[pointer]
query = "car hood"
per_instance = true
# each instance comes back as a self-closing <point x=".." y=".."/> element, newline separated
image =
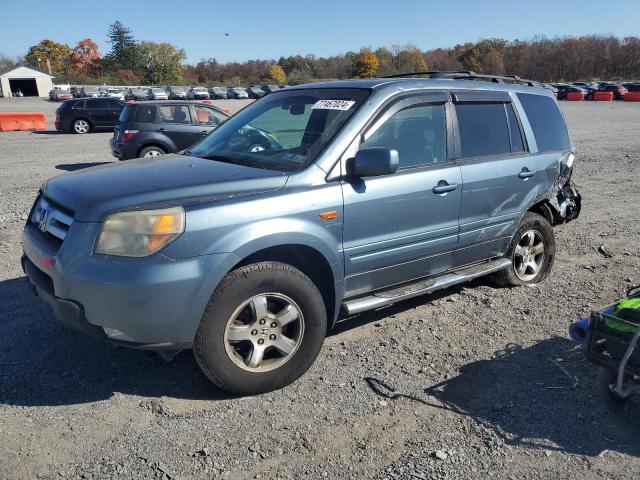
<point x="156" y="182"/>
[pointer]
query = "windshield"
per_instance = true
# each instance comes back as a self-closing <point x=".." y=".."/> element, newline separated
<point x="90" y="89"/>
<point x="284" y="131"/>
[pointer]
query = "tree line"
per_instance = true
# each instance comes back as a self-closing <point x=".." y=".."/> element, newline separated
<point x="134" y="62"/>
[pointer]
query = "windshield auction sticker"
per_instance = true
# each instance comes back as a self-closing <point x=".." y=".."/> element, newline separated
<point x="333" y="105"/>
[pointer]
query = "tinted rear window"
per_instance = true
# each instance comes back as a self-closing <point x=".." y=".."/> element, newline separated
<point x="546" y="122"/>
<point x="114" y="104"/>
<point x="97" y="105"/>
<point x="145" y="114"/>
<point x="483" y="129"/>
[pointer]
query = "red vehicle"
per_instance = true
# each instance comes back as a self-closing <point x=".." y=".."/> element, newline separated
<point x="618" y="90"/>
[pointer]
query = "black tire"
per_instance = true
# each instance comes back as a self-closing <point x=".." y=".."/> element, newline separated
<point x="150" y="149"/>
<point x="530" y="222"/>
<point x="238" y="287"/>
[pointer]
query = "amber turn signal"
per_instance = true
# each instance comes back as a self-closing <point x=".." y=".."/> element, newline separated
<point x="328" y="215"/>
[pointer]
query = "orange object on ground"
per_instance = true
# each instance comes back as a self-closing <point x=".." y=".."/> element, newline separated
<point x="603" y="96"/>
<point x="575" y="96"/>
<point x="12" y="121"/>
<point x="632" y="97"/>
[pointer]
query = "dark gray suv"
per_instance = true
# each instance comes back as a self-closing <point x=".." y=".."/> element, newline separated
<point x="313" y="202"/>
<point x="148" y="129"/>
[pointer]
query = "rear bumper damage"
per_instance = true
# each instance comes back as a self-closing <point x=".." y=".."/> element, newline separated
<point x="567" y="204"/>
<point x="564" y="200"/>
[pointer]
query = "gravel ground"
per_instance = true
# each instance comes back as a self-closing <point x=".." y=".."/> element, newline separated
<point x="473" y="382"/>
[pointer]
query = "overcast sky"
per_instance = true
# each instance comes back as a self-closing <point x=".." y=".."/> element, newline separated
<point x="270" y="29"/>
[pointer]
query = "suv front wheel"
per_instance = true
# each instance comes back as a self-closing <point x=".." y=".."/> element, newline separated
<point x="262" y="329"/>
<point x="531" y="251"/>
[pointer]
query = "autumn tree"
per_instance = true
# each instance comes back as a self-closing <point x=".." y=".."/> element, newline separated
<point x="57" y="55"/>
<point x="276" y="73"/>
<point x="365" y="64"/>
<point x="85" y="56"/>
<point x="296" y="62"/>
<point x="127" y="77"/>
<point x="408" y="59"/>
<point x="161" y="62"/>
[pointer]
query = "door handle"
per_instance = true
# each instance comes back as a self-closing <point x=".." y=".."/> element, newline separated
<point x="161" y="130"/>
<point x="443" y="187"/>
<point x="203" y="133"/>
<point x="526" y="173"/>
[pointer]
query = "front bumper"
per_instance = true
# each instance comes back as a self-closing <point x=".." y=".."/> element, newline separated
<point x="152" y="303"/>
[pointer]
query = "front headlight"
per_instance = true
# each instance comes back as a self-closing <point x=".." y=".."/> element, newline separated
<point x="138" y="234"/>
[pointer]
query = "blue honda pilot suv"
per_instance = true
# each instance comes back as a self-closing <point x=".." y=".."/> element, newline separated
<point x="316" y="201"/>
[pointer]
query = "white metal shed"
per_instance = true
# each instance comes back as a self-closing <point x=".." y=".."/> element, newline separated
<point x="31" y="82"/>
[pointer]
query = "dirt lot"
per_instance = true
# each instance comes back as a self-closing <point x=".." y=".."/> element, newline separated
<point x="475" y="382"/>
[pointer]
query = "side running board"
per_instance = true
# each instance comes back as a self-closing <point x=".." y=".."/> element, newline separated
<point x="389" y="297"/>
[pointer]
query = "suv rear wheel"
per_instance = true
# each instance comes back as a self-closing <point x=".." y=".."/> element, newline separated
<point x="262" y="329"/>
<point x="81" y="126"/>
<point x="151" y="151"/>
<point x="532" y="251"/>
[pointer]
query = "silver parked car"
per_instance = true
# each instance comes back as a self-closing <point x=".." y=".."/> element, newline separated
<point x="177" y="93"/>
<point x="198" y="93"/>
<point x="237" y="92"/>
<point x="157" y="94"/>
<point x="114" y="93"/>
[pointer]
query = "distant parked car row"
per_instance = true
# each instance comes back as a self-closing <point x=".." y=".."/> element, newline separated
<point x="589" y="89"/>
<point x="199" y="93"/>
<point x="60" y="95"/>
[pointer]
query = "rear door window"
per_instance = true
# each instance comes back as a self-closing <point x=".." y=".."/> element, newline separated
<point x="79" y="105"/>
<point x="114" y="105"/>
<point x="546" y="122"/>
<point x="175" y="114"/>
<point x="145" y="114"/>
<point x="98" y="105"/>
<point x="483" y="129"/>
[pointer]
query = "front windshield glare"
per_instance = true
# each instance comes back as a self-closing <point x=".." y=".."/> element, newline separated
<point x="286" y="130"/>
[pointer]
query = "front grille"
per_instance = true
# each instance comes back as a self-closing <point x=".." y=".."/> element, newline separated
<point x="50" y="221"/>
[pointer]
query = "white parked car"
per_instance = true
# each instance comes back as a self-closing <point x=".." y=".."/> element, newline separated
<point x="115" y="93"/>
<point x="157" y="94"/>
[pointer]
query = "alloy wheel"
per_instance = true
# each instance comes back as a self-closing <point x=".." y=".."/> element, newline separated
<point x="529" y="255"/>
<point x="264" y="332"/>
<point x="81" y="126"/>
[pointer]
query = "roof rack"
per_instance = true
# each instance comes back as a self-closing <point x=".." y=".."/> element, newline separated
<point x="467" y="75"/>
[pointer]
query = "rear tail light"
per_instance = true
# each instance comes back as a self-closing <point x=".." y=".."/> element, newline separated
<point x="128" y="135"/>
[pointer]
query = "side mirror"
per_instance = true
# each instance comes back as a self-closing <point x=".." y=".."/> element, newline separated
<point x="373" y="162"/>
